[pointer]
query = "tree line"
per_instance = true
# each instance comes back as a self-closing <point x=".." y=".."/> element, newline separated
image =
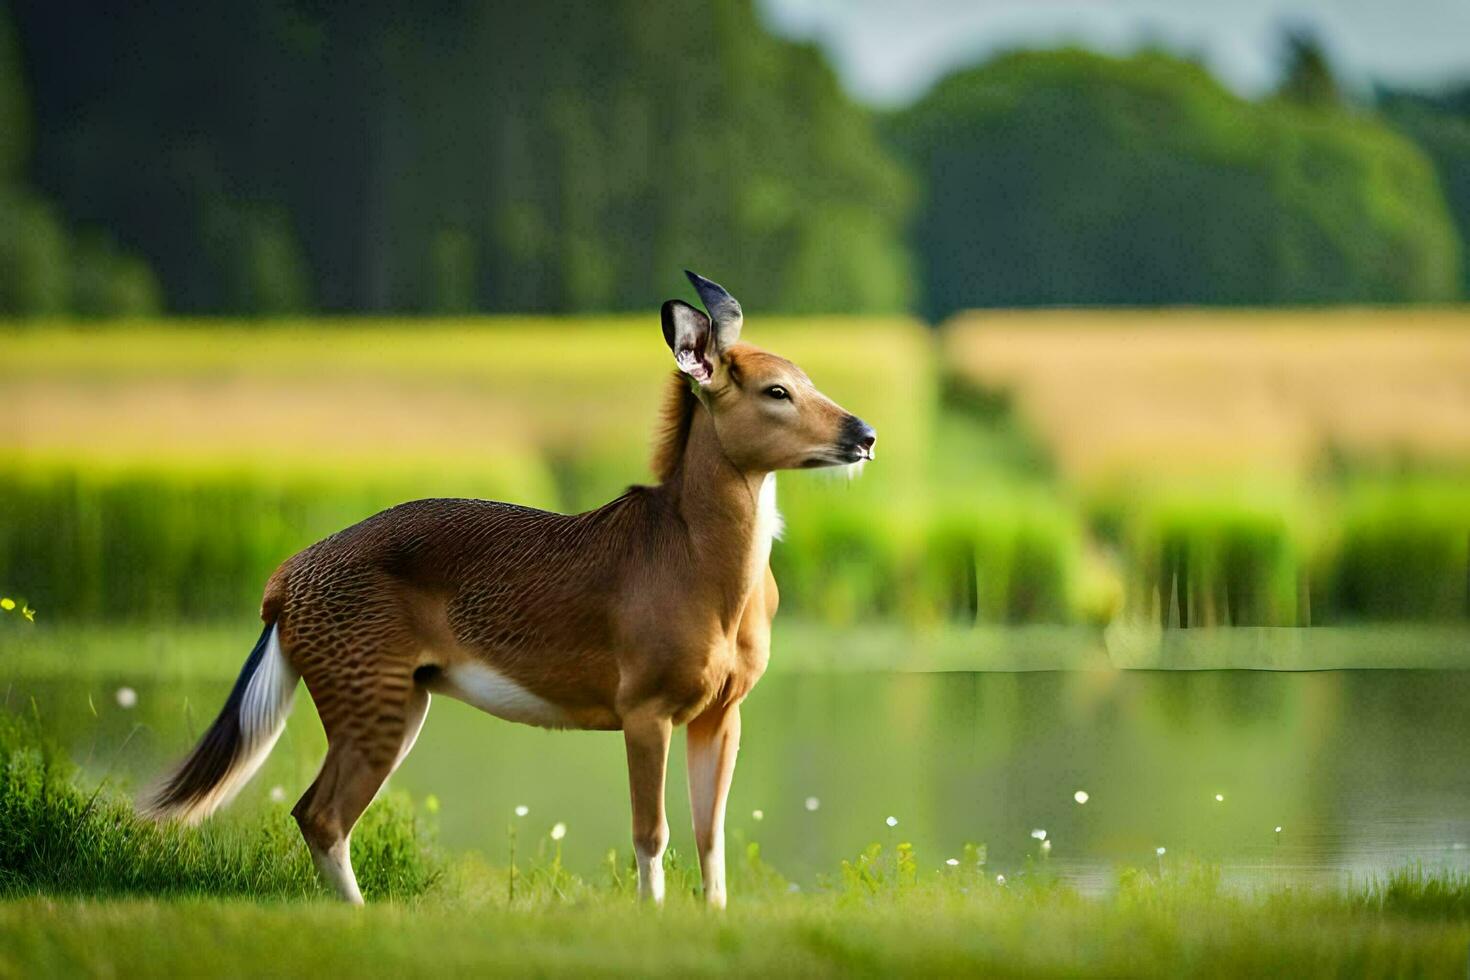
<point x="297" y="156"/>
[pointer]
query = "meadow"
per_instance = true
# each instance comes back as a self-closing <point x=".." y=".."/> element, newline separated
<point x="1057" y="495"/>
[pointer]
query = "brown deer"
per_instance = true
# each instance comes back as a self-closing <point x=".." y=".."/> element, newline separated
<point x="651" y="611"/>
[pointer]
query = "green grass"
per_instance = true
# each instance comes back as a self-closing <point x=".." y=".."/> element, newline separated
<point x="60" y="837"/>
<point x="1150" y="929"/>
<point x="1180" y="924"/>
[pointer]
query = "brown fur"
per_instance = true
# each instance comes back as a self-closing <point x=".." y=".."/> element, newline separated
<point x="675" y="417"/>
<point x="651" y="611"/>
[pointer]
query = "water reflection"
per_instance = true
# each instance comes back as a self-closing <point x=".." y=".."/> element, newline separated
<point x="1362" y="770"/>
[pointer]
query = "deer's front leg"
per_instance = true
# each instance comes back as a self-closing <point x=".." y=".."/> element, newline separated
<point x="714" y="741"/>
<point x="646" y="737"/>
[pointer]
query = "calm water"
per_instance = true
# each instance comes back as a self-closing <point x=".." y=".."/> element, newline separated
<point x="1362" y="770"/>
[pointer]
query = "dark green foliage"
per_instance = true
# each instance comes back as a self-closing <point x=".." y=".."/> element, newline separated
<point x="1440" y="124"/>
<point x="1202" y="564"/>
<point x="1402" y="553"/>
<point x="59" y="837"/>
<point x="453" y="264"/>
<point x="563" y="156"/>
<point x="839" y="565"/>
<point x="1071" y="178"/>
<point x="1307" y="74"/>
<point x="997" y="563"/>
<point x="549" y="156"/>
<point x="42" y="271"/>
<point x="46" y="272"/>
<point x="1398" y="552"/>
<point x="257" y="263"/>
<point x="15" y="117"/>
<point x="107" y="282"/>
<point x="33" y="256"/>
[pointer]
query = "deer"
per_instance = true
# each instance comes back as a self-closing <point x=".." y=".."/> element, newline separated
<point x="650" y="612"/>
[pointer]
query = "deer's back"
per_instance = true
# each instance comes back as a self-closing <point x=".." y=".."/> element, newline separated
<point x="502" y="581"/>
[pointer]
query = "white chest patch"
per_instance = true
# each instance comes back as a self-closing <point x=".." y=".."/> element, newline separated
<point x="491" y="691"/>
<point x="768" y="524"/>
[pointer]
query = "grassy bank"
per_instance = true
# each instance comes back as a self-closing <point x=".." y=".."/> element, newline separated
<point x="60" y="837"/>
<point x="88" y="889"/>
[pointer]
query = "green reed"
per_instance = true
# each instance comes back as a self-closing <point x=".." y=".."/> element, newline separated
<point x="149" y="544"/>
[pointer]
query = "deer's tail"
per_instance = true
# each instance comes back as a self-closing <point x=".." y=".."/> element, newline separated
<point x="236" y="744"/>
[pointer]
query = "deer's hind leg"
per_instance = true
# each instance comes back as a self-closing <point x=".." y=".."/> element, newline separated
<point x="372" y="715"/>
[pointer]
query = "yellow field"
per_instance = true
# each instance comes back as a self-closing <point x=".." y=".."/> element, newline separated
<point x="409" y="393"/>
<point x="1191" y="391"/>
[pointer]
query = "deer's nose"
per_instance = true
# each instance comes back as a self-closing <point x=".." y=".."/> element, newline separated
<point x="860" y="435"/>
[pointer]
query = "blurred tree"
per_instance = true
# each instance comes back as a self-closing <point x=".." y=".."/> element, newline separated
<point x="1072" y="178"/>
<point x="108" y="282"/>
<point x="453" y="272"/>
<point x="1306" y="76"/>
<point x="33" y="257"/>
<point x="256" y="261"/>
<point x="580" y="154"/>
<point x="1440" y="124"/>
<point x="15" y="122"/>
<point x="32" y="243"/>
<point x="42" y="272"/>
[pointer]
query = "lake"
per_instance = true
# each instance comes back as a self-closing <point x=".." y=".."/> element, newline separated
<point x="1362" y="770"/>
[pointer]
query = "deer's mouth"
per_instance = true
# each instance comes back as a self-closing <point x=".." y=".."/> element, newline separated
<point x="840" y="456"/>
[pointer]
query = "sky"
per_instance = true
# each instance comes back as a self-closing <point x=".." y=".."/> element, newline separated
<point x="888" y="52"/>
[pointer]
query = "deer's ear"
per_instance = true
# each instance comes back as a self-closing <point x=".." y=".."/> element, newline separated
<point x="687" y="332"/>
<point x="724" y="309"/>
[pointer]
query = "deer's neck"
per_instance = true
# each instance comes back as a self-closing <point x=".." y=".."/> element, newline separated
<point x="730" y="516"/>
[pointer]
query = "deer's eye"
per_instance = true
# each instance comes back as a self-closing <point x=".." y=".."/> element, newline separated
<point x="777" y="392"/>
